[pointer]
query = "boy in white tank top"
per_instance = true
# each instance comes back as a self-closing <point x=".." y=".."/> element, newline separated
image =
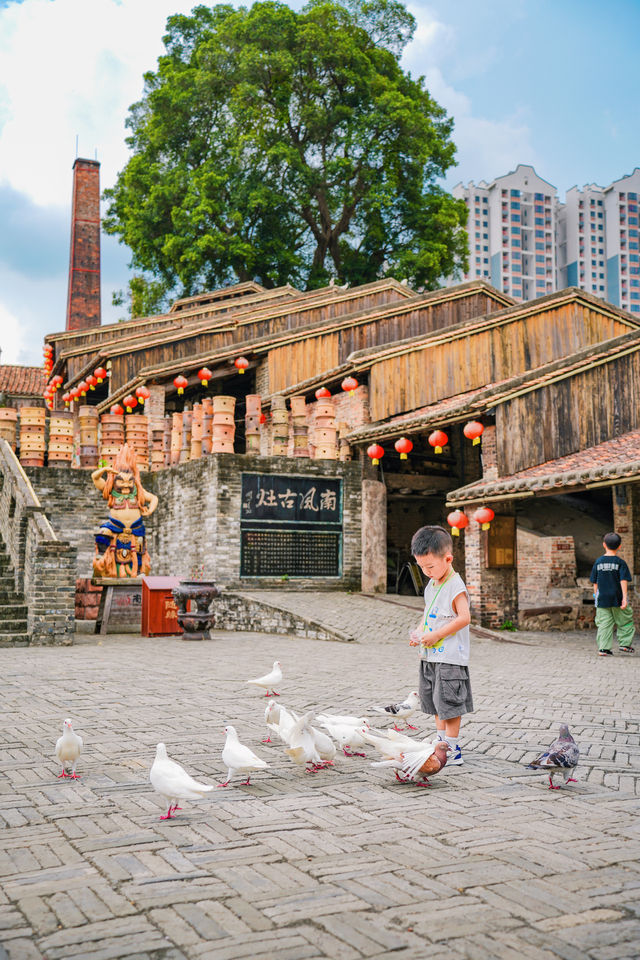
<point x="443" y="637"/>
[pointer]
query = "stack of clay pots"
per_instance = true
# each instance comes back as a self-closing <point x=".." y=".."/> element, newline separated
<point x="8" y="425"/>
<point x="207" y="424"/>
<point x="32" y="436"/>
<point x="111" y="436"/>
<point x="185" y="448"/>
<point x="176" y="438"/>
<point x="137" y="436"/>
<point x="325" y="432"/>
<point x="224" y="427"/>
<point x="252" y="423"/>
<point x="156" y="429"/>
<point x="89" y="419"/>
<point x="196" y="431"/>
<point x="300" y="428"/>
<point x="60" y="439"/>
<point x="279" y="427"/>
<point x="344" y="453"/>
<point x="166" y="441"/>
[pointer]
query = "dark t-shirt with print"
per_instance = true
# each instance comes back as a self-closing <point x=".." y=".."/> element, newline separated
<point x="607" y="572"/>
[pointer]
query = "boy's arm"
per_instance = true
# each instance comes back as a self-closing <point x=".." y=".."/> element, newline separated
<point x="460" y="605"/>
<point x="624" y="585"/>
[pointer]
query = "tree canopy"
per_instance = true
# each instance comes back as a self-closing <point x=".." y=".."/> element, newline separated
<point x="288" y="146"/>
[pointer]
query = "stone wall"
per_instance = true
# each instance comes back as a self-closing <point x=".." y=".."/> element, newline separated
<point x="546" y="569"/>
<point x="44" y="564"/>
<point x="493" y="592"/>
<point x="197" y="523"/>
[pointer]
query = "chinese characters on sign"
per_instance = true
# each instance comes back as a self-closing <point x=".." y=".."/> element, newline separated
<point x="291" y="526"/>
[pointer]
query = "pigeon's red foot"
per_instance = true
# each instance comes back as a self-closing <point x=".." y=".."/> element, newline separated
<point x="63" y="774"/>
<point x="74" y="776"/>
<point x="274" y="694"/>
<point x="422" y="783"/>
<point x="311" y="769"/>
<point x="176" y="807"/>
<point x="572" y="780"/>
<point x="396" y="727"/>
<point x="346" y="752"/>
<point x="246" y="783"/>
<point x="401" y="779"/>
<point x="168" y="815"/>
<point x="410" y="726"/>
<point x="551" y="786"/>
<point x="268" y="740"/>
<point x="355" y="754"/>
<point x="225" y="784"/>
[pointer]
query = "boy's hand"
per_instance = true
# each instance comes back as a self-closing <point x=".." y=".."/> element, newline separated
<point x="623" y="603"/>
<point x="430" y="640"/>
<point x="415" y="637"/>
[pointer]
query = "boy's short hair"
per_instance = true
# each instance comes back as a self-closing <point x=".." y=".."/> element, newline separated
<point x="612" y="540"/>
<point x="435" y="540"/>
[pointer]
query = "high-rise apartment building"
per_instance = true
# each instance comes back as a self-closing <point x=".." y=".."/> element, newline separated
<point x="622" y="242"/>
<point x="512" y="232"/>
<point x="526" y="243"/>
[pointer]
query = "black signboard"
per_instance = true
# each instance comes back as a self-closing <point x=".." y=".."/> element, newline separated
<point x="291" y="499"/>
<point x="290" y="526"/>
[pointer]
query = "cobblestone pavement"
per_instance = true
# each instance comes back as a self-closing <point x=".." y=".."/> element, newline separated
<point x="343" y="864"/>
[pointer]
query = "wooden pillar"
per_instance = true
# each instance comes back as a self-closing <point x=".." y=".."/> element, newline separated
<point x="374" y="537"/>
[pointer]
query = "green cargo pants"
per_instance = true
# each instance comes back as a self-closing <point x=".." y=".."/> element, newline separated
<point x="609" y="617"/>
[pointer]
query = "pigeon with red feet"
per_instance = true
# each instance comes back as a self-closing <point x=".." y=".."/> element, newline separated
<point x="238" y="758"/>
<point x="270" y="680"/>
<point x="173" y="782"/>
<point x="560" y="757"/>
<point x="68" y="749"/>
<point x="401" y="711"/>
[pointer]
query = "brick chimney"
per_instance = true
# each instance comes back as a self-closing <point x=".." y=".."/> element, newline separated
<point x="83" y="299"/>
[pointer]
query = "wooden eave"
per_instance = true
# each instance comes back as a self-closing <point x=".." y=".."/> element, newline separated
<point x="236" y="290"/>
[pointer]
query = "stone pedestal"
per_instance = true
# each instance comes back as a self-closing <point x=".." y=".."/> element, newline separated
<point x="374" y="537"/>
<point x="120" y="605"/>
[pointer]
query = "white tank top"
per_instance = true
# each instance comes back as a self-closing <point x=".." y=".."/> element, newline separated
<point x="438" y="611"/>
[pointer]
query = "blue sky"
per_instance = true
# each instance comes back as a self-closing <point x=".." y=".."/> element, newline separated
<point x="547" y="83"/>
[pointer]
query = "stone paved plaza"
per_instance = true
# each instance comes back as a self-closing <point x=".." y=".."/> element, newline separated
<point x="343" y="864"/>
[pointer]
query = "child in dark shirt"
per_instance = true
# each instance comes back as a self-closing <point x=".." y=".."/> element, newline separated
<point x="610" y="576"/>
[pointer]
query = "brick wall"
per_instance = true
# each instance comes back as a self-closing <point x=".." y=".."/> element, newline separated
<point x="493" y="593"/>
<point x="626" y="522"/>
<point x="83" y="299"/>
<point x="546" y="569"/>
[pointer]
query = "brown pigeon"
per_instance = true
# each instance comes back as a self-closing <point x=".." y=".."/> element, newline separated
<point x="560" y="757"/>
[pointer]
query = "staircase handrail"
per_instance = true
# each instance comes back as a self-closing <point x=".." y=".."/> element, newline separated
<point x="21" y="486"/>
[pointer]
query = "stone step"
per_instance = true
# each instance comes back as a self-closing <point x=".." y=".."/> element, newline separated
<point x="14" y="639"/>
<point x="13" y="626"/>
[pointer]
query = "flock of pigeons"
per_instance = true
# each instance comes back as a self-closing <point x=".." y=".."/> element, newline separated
<point x="312" y="748"/>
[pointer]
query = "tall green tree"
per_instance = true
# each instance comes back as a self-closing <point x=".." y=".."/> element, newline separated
<point x="288" y="146"/>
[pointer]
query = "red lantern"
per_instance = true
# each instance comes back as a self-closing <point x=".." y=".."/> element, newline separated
<point x="204" y="376"/>
<point x="74" y="394"/>
<point x="92" y="382"/>
<point x="438" y="439"/>
<point x="47" y="350"/>
<point x="67" y="399"/>
<point x="263" y="418"/>
<point x="130" y="402"/>
<point x="116" y="410"/>
<point x="349" y="385"/>
<point x="142" y="393"/>
<point x="57" y="381"/>
<point x="322" y="393"/>
<point x="473" y="431"/>
<point x="180" y="383"/>
<point x="100" y="374"/>
<point x="484" y="516"/>
<point x="376" y="452"/>
<point x="83" y="386"/>
<point x="403" y="446"/>
<point x="457" y="521"/>
<point x="241" y="364"/>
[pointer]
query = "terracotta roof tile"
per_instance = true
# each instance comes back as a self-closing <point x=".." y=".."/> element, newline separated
<point x="608" y="461"/>
<point x="22" y="381"/>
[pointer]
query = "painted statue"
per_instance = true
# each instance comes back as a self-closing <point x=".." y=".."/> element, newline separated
<point x="121" y="549"/>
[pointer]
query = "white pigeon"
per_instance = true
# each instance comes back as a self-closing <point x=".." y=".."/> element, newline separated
<point x="325" y="747"/>
<point x="239" y="759"/>
<point x="301" y="744"/>
<point x="347" y="737"/>
<point x="173" y="782"/>
<point x="279" y="720"/>
<point x="344" y="721"/>
<point x="402" y="710"/>
<point x="68" y="749"/>
<point x="270" y="680"/>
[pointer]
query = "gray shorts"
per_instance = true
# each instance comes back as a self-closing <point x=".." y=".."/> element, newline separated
<point x="445" y="689"/>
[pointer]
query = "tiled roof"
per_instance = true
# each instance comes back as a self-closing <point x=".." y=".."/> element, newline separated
<point x="22" y="381"/>
<point x="612" y="460"/>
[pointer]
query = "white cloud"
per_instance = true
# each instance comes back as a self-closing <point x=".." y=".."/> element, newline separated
<point x="12" y="343"/>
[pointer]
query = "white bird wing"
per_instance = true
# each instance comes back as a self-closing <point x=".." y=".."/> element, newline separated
<point x="236" y="756"/>
<point x="68" y="747"/>
<point x="414" y="759"/>
<point x="333" y="719"/>
<point x="388" y="748"/>
<point x="173" y="781"/>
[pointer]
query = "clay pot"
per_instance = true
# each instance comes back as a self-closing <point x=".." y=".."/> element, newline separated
<point x="326" y="452"/>
<point x="86" y="412"/>
<point x="325" y="436"/>
<point x="253" y="404"/>
<point x="222" y="446"/>
<point x="223" y="417"/>
<point x="253" y="443"/>
<point x="298" y="406"/>
<point x="224" y="404"/>
<point x="223" y="432"/>
<point x="325" y="408"/>
<point x="8" y="413"/>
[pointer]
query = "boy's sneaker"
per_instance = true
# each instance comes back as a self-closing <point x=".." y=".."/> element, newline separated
<point x="627" y="650"/>
<point x="605" y="653"/>
<point x="455" y="759"/>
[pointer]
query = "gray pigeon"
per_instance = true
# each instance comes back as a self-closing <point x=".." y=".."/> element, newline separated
<point x="560" y="757"/>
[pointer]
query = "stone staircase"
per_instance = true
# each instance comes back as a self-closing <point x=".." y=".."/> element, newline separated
<point x="13" y="610"/>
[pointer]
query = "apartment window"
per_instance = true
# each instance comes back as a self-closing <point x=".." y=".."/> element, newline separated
<point x="515" y="230"/>
<point x="485" y="224"/>
<point x="539" y="233"/>
<point x="538" y="196"/>
<point x="539" y="246"/>
<point x="599" y="203"/>
<point x="539" y="259"/>
<point x="515" y="193"/>
<point x="515" y="205"/>
<point x="592" y="203"/>
<point x="633" y="221"/>
<point x="515" y="218"/>
<point x="539" y="221"/>
<point x="540" y="270"/>
<point x="632" y="196"/>
<point x="600" y="216"/>
<point x="485" y="200"/>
